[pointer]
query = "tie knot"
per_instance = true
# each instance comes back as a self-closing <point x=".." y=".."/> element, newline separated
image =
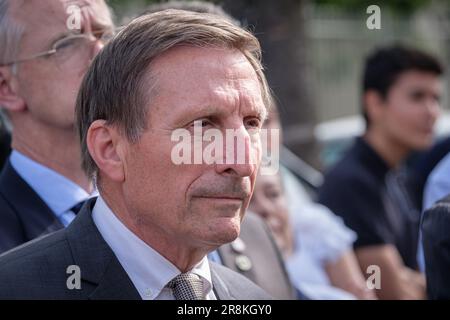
<point x="187" y="286"/>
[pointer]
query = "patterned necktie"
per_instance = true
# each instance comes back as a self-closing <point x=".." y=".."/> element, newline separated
<point x="187" y="286"/>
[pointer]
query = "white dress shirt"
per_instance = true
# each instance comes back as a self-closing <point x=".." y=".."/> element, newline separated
<point x="59" y="193"/>
<point x="148" y="270"/>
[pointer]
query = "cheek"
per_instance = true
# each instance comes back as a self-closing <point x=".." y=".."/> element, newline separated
<point x="280" y="204"/>
<point x="281" y="209"/>
<point x="69" y="83"/>
<point x="41" y="94"/>
<point x="155" y="176"/>
<point x="406" y="111"/>
<point x="400" y="116"/>
<point x="409" y="120"/>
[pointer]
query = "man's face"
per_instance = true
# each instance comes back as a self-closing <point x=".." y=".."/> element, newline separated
<point x="49" y="85"/>
<point x="199" y="205"/>
<point x="411" y="109"/>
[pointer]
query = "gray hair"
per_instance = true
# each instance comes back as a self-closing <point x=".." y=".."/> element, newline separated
<point x="10" y="34"/>
<point x="112" y="87"/>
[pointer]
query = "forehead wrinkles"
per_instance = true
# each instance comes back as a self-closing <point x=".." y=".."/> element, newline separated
<point x="230" y="78"/>
<point x="244" y="80"/>
<point x="238" y="92"/>
<point x="233" y="79"/>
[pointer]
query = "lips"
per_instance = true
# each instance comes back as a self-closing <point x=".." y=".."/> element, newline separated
<point x="222" y="197"/>
<point x="224" y="189"/>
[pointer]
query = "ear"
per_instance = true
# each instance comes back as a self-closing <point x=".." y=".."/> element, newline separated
<point x="106" y="147"/>
<point x="374" y="106"/>
<point x="8" y="91"/>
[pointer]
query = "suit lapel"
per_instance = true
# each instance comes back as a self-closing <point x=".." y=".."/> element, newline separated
<point x="97" y="262"/>
<point x="115" y="284"/>
<point x="220" y="289"/>
<point x="36" y="217"/>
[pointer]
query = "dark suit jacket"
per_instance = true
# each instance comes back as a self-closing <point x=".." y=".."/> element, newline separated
<point x="37" y="270"/>
<point x="436" y="247"/>
<point x="266" y="266"/>
<point x="5" y="142"/>
<point x="23" y="214"/>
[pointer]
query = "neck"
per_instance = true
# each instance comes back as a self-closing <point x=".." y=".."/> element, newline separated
<point x="392" y="152"/>
<point x="176" y="250"/>
<point x="59" y="151"/>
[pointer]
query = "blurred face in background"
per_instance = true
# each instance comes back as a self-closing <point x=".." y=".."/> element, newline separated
<point x="409" y="111"/>
<point x="269" y="202"/>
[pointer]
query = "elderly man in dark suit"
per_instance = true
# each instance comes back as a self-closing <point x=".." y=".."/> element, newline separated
<point x="45" y="49"/>
<point x="168" y="74"/>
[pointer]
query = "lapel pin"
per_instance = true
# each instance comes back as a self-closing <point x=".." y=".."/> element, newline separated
<point x="238" y="245"/>
<point x="243" y="262"/>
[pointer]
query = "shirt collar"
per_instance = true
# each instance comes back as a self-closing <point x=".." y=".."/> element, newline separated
<point x="148" y="270"/>
<point x="58" y="192"/>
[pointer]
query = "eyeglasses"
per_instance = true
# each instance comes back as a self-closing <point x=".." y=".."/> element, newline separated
<point x="76" y="47"/>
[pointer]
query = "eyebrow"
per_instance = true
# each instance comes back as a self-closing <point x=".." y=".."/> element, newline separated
<point x="207" y="111"/>
<point x="96" y="27"/>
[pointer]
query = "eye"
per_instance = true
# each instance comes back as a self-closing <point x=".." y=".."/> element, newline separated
<point x="203" y="123"/>
<point x="253" y="122"/>
<point x="417" y="96"/>
<point x="67" y="43"/>
<point x="273" y="194"/>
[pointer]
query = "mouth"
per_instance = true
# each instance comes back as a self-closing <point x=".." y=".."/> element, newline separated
<point x="221" y="198"/>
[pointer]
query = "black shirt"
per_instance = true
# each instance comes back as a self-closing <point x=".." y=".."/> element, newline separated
<point x="362" y="190"/>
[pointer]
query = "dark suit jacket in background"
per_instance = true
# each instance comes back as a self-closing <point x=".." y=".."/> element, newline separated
<point x="37" y="270"/>
<point x="23" y="214"/>
<point x="436" y="247"/>
<point x="5" y="144"/>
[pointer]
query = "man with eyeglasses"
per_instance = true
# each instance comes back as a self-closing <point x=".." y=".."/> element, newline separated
<point x="43" y="58"/>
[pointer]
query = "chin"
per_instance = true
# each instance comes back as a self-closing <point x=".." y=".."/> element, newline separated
<point x="224" y="231"/>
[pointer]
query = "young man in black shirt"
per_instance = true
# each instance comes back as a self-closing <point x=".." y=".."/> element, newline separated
<point x="401" y="92"/>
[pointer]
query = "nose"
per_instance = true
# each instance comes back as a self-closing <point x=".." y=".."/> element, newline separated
<point x="433" y="108"/>
<point x="240" y="155"/>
